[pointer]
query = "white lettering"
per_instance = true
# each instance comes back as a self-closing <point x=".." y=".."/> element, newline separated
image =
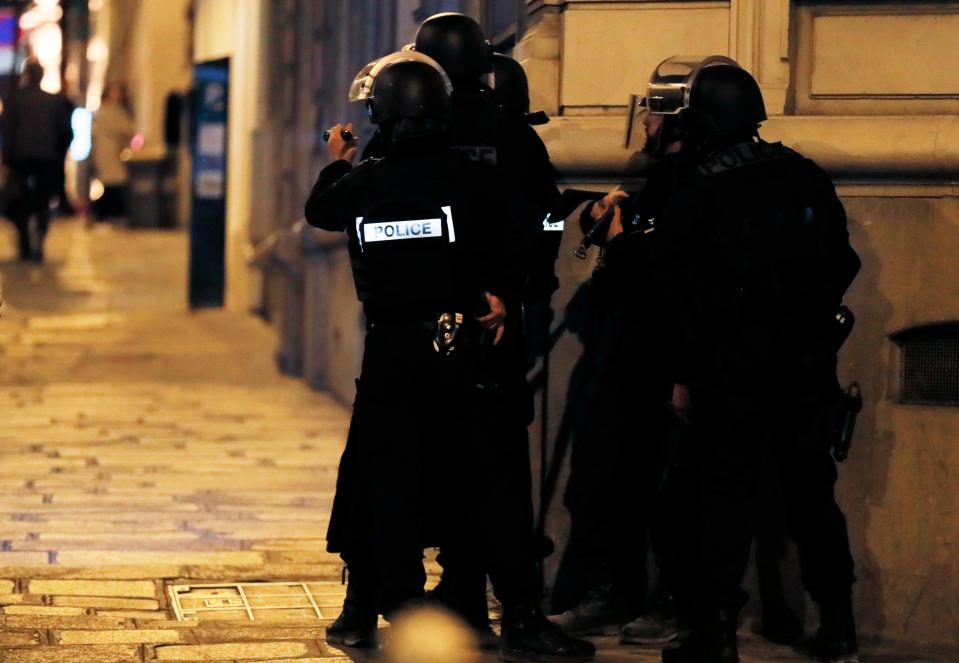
<point x="385" y="231"/>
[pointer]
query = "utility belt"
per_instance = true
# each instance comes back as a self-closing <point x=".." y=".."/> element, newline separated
<point x="449" y="329"/>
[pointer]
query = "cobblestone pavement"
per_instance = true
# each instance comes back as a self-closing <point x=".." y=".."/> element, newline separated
<point x="142" y="446"/>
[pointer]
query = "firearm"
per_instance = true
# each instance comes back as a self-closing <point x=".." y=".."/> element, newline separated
<point x="597" y="232"/>
<point x="846" y="410"/>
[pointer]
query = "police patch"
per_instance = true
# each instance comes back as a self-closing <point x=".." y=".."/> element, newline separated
<point x="386" y="231"/>
<point x="553" y="226"/>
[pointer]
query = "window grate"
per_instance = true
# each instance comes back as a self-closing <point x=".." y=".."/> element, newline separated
<point x="930" y="365"/>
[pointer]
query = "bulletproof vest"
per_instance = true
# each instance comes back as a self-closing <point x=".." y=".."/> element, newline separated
<point x="403" y="254"/>
<point x="773" y="264"/>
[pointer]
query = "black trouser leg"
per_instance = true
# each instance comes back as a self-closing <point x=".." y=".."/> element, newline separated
<point x="38" y="181"/>
<point x="398" y="503"/>
<point x="497" y="521"/>
<point x="727" y="445"/>
<point x="735" y="434"/>
<point x="25" y="246"/>
<point x="814" y="519"/>
<point x="677" y="523"/>
<point x="20" y="209"/>
<point x="463" y="585"/>
<point x="399" y="415"/>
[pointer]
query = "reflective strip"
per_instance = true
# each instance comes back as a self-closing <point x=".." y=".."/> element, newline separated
<point x="553" y="226"/>
<point x="448" y="211"/>
<point x="386" y="231"/>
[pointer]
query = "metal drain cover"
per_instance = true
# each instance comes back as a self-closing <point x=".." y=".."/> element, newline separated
<point x="257" y="601"/>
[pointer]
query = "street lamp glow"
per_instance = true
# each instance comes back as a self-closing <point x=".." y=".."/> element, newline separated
<point x="97" y="50"/>
<point x="82" y="123"/>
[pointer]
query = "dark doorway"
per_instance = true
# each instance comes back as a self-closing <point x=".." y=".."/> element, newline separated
<point x="208" y="149"/>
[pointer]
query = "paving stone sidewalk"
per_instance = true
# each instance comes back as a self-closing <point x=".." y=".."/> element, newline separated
<point x="143" y="446"/>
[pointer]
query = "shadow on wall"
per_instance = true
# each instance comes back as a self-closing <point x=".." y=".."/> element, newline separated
<point x="562" y="568"/>
<point x="863" y="477"/>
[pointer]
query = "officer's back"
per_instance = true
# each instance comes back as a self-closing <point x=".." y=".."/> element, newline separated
<point x="771" y="248"/>
<point x="761" y="239"/>
<point x="437" y="202"/>
<point x="425" y="235"/>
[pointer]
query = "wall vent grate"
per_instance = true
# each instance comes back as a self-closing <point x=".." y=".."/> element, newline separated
<point x="930" y="365"/>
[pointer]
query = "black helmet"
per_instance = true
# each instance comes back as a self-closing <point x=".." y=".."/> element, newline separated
<point x="702" y="99"/>
<point x="457" y="42"/>
<point x="510" y="83"/>
<point x="725" y="101"/>
<point x="408" y="90"/>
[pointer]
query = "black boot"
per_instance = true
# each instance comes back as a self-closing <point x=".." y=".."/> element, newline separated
<point x="716" y="643"/>
<point x="356" y="625"/>
<point x="529" y="636"/>
<point x="467" y="600"/>
<point x="836" y="641"/>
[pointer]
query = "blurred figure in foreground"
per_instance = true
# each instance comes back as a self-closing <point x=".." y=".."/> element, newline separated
<point x="36" y="134"/>
<point x="113" y="129"/>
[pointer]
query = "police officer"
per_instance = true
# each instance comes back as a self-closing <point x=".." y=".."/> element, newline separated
<point x="426" y="244"/>
<point x="490" y="132"/>
<point x="619" y="459"/>
<point x="759" y="257"/>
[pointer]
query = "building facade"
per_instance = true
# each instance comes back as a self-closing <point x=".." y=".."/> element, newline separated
<point x="869" y="89"/>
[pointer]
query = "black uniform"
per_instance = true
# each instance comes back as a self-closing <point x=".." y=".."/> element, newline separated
<point x="425" y="238"/>
<point x="760" y="260"/>
<point x="489" y="133"/>
<point x="620" y="454"/>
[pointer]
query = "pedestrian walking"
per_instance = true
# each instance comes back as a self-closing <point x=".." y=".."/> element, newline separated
<point x="36" y="134"/>
<point x="113" y="129"/>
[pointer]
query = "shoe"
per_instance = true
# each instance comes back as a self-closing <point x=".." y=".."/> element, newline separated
<point x="356" y="625"/>
<point x="651" y="629"/>
<point x="598" y="611"/>
<point x="352" y="629"/>
<point x="529" y="636"/>
<point x="836" y="641"/>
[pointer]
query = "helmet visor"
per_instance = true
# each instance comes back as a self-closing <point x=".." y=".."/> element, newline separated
<point x="671" y="83"/>
<point x="362" y="84"/>
<point x="666" y="98"/>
